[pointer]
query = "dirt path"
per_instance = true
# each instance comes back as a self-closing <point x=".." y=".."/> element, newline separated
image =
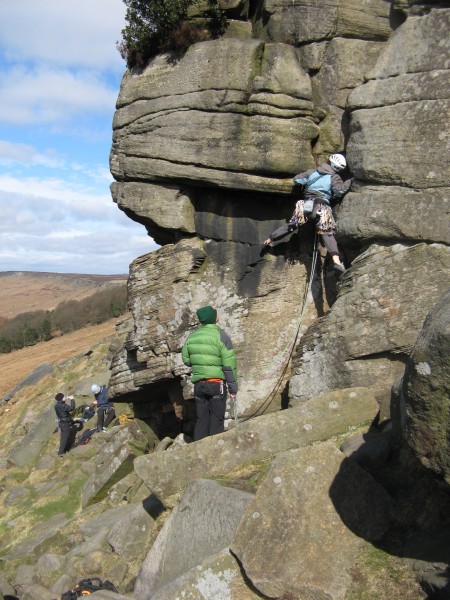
<point x="17" y="365"/>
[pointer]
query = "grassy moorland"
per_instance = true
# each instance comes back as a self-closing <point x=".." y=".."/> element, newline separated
<point x="16" y="365"/>
<point x="22" y="292"/>
<point x="26" y="291"/>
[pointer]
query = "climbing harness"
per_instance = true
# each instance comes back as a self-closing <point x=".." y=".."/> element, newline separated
<point x="290" y="349"/>
<point x="303" y="212"/>
<point x="305" y="206"/>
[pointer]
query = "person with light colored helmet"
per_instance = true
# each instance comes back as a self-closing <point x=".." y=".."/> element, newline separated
<point x="321" y="186"/>
<point x="103" y="405"/>
<point x="338" y="162"/>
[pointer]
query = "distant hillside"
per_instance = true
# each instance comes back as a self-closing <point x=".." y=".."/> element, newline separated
<point x="24" y="291"/>
<point x="15" y="366"/>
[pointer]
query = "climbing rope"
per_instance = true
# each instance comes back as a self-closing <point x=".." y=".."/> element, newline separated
<point x="124" y="419"/>
<point x="289" y="351"/>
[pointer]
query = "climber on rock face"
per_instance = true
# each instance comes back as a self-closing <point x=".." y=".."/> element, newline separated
<point x="321" y="185"/>
<point x="103" y="405"/>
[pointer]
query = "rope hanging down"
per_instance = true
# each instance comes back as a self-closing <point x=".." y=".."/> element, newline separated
<point x="290" y="349"/>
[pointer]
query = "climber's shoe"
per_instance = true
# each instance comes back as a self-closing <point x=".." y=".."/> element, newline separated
<point x="339" y="268"/>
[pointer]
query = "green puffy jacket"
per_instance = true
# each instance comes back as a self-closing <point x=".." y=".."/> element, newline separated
<point x="210" y="353"/>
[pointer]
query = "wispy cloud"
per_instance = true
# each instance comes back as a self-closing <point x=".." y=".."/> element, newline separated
<point x="60" y="61"/>
<point x="23" y="154"/>
<point x="62" y="228"/>
<point x="47" y="96"/>
<point x="79" y="34"/>
<point x="59" y="80"/>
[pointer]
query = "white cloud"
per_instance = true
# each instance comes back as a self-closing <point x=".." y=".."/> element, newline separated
<point x="67" y="236"/>
<point x="66" y="34"/>
<point x="48" y="96"/>
<point x="23" y="156"/>
<point x="59" y="80"/>
<point x="61" y="60"/>
<point x="55" y="189"/>
<point x="11" y="154"/>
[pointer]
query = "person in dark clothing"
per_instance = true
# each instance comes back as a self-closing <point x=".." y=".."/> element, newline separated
<point x="104" y="407"/>
<point x="64" y="415"/>
<point x="210" y="354"/>
<point x="321" y="185"/>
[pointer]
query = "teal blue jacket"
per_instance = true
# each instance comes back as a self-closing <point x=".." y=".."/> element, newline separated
<point x="323" y="182"/>
<point x="210" y="354"/>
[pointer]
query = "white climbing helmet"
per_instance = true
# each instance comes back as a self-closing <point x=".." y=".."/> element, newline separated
<point x="95" y="388"/>
<point x="338" y="162"/>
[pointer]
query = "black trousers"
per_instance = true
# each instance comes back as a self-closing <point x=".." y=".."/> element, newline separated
<point x="67" y="437"/>
<point x="110" y="414"/>
<point x="210" y="403"/>
<point x="328" y="238"/>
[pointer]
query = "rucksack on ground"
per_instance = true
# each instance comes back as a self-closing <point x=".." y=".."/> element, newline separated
<point x="88" y="412"/>
<point x="88" y="586"/>
<point x="85" y="437"/>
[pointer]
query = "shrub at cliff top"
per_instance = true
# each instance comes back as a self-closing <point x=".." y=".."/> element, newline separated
<point x="155" y="26"/>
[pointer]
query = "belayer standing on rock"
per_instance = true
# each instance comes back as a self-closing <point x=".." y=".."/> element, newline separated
<point x="64" y="415"/>
<point x="104" y="406"/>
<point x="321" y="185"/>
<point x="210" y="354"/>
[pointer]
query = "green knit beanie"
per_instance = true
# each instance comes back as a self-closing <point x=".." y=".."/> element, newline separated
<point x="207" y="315"/>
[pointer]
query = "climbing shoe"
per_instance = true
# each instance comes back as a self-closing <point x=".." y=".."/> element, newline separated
<point x="339" y="268"/>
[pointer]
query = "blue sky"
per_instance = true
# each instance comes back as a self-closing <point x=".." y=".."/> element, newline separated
<point x="60" y="75"/>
